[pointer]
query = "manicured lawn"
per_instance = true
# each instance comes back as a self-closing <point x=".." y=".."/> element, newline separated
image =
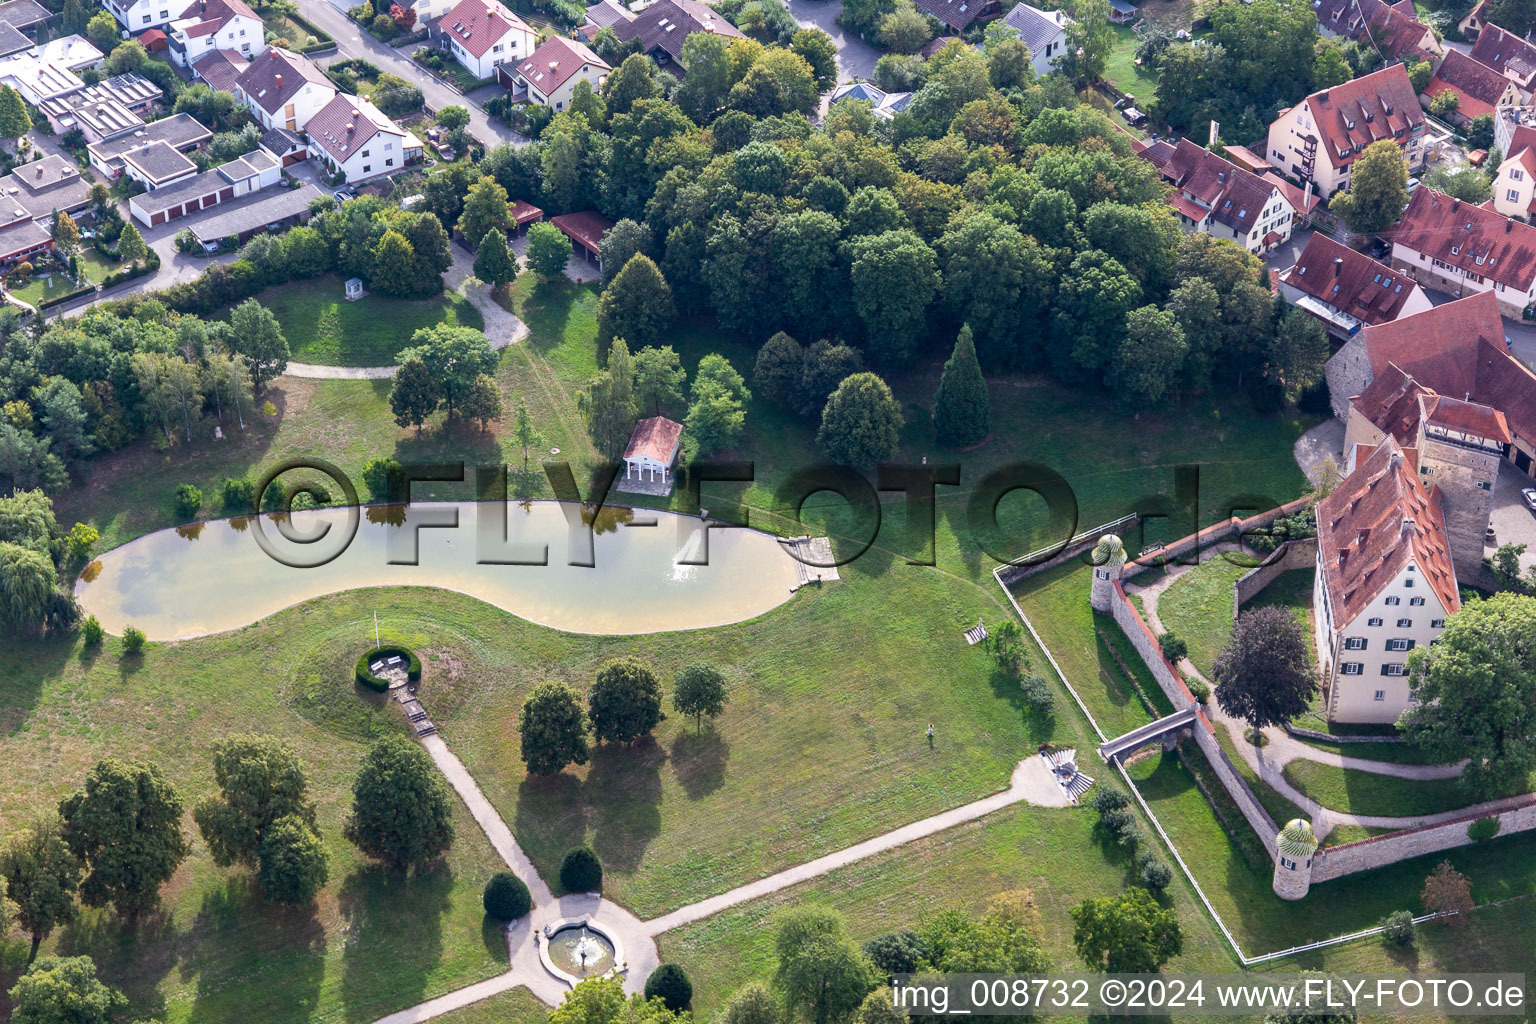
<point x="1198" y="608"/>
<point x="1397" y="753"/>
<point x="323" y="327"/>
<point x="518" y="1006"/>
<point x="822" y="744"/>
<point x="1349" y="789"/>
<point x="1500" y="868"/>
<point x="1120" y="69"/>
<point x="1054" y="854"/>
<point x="1279" y="807"/>
<point x="372" y="944"/>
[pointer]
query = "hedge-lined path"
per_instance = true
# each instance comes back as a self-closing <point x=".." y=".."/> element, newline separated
<point x="1281" y="748"/>
<point x="1030" y="782"/>
<point x="501" y="327"/>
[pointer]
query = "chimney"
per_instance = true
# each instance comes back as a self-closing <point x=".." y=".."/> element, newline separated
<point x="349" y="126"/>
<point x="1455" y="205"/>
<point x="1509" y="224"/>
<point x="1407" y="528"/>
<point x="1396" y="458"/>
<point x="1338" y="265"/>
<point x="554" y="65"/>
<point x="273" y="51"/>
<point x="1322" y="97"/>
<point x="279" y="80"/>
<point x="354" y="114"/>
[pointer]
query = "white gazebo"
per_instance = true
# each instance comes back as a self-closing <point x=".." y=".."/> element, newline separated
<point x="652" y="450"/>
<point x="354" y="289"/>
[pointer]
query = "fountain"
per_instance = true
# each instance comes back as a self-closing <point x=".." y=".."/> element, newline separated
<point x="578" y="950"/>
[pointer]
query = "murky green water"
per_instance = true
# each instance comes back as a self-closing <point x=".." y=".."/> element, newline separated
<point x="214" y="576"/>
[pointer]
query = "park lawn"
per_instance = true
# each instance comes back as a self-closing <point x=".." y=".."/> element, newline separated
<point x="518" y="1006"/>
<point x="1278" y="806"/>
<point x="1056" y="602"/>
<point x="1240" y="890"/>
<point x="822" y="745"/>
<point x="322" y="327"/>
<point x="1197" y="607"/>
<point x="1055" y="854"/>
<point x="1120" y="70"/>
<point x="373" y="943"/>
<point x="1361" y="792"/>
<point x="1395" y="753"/>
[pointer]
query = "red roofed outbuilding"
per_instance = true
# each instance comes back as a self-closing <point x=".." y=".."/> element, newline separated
<point x="652" y="449"/>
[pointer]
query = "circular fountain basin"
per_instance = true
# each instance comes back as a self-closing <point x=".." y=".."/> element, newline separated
<point x="575" y="948"/>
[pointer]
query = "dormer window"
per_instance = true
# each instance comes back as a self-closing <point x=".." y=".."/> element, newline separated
<point x="1455" y="250"/>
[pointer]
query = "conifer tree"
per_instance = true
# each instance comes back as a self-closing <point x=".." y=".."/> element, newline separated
<point x="961" y="410"/>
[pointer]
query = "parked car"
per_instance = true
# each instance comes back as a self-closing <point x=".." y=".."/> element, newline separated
<point x="1529" y="496"/>
<point x="1133" y="117"/>
<point x="211" y="248"/>
<point x="1380" y="247"/>
<point x="343" y="194"/>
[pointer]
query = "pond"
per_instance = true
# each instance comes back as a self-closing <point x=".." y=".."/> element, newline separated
<point x="215" y="576"/>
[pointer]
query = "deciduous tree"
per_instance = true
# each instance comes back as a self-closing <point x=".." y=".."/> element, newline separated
<point x="699" y="690"/>
<point x="1378" y="189"/>
<point x="126" y="826"/>
<point x="549" y="250"/>
<point x="625" y="702"/>
<point x="1265" y="674"/>
<point x="260" y="780"/>
<point x="402" y="809"/>
<point x="861" y="424"/>
<point x="553" y="729"/>
<point x="64" y="990"/>
<point x="1448" y="892"/>
<point x="41" y="875"/>
<point x="822" y="973"/>
<point x="1128" y="933"/>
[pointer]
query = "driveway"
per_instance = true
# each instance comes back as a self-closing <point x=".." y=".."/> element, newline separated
<point x="1511" y="520"/>
<point x="352" y="41"/>
<point x="1284" y="256"/>
<point x="855" y="58"/>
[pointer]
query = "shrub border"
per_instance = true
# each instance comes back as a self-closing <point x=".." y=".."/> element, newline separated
<point x="366" y="677"/>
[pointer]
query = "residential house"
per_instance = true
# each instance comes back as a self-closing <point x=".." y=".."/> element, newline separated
<point x="1472" y="25"/>
<point x="182" y="132"/>
<point x="138" y="15"/>
<point x="662" y="28"/>
<point x="549" y="76"/>
<point x="220" y="69"/>
<point x="1514" y="189"/>
<point x="1460" y="248"/>
<point x="287" y="147"/>
<point x="1478" y="89"/>
<point x="1216" y="197"/>
<point x="1509" y="55"/>
<point x="482" y="34"/>
<point x="1385" y="583"/>
<point x="958" y="15"/>
<point x="208" y="25"/>
<point x="1319" y="139"/>
<point x="106" y="110"/>
<point x="1458" y="349"/>
<point x="24" y="15"/>
<point x="1393" y="30"/>
<point x="76" y="53"/>
<point x="352" y="138"/>
<point x="195" y="192"/>
<point x="1347" y="290"/>
<point x="1044" y="32"/>
<point x="885" y="105"/>
<point x="283" y="89"/>
<point x="29" y="197"/>
<point x="37" y="78"/>
<point x="158" y="165"/>
<point x="607" y="13"/>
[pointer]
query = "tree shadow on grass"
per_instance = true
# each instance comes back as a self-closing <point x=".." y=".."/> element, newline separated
<point x="623" y="789"/>
<point x="131" y="958"/>
<point x="31" y="662"/>
<point x="268" y="960"/>
<point x="494" y="934"/>
<point x="394" y="936"/>
<point x="698" y="762"/>
<point x="551" y="818"/>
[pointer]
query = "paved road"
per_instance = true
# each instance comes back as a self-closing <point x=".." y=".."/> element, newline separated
<point x="354" y="42"/>
<point x="855" y="58"/>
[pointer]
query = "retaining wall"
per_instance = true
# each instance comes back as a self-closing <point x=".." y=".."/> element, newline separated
<point x="1518" y="814"/>
<point x="1142" y="638"/>
<point x="1268" y="832"/>
<point x="1293" y="554"/>
<point x="1083" y="542"/>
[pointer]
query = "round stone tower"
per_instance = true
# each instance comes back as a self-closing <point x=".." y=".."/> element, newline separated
<point x="1293" y="861"/>
<point x="1108" y="563"/>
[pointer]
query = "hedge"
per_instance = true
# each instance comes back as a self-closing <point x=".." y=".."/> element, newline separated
<point x="119" y="276"/>
<point x="323" y="39"/>
<point x="365" y="674"/>
<point x="58" y="299"/>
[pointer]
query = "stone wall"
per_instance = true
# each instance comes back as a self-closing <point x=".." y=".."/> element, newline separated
<point x="1465" y="504"/>
<point x="1517" y="814"/>
<point x="1081" y="544"/>
<point x="1293" y="554"/>
<point x="1348" y="373"/>
<point x="1263" y="825"/>
<point x="1141" y="637"/>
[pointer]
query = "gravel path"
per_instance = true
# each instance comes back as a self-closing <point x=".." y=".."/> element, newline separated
<point x="501" y="327"/>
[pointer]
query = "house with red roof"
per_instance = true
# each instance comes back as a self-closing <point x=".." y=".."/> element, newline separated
<point x="652" y="450"/>
<point x="351" y="137"/>
<point x="549" y="76"/>
<point x="1347" y="290"/>
<point x="1320" y="138"/>
<point x="1514" y="189"/>
<point x="1478" y="88"/>
<point x="283" y="89"/>
<point x="483" y="34"/>
<point x="1509" y="55"/>
<point x="1385" y="583"/>
<point x="208" y="25"/>
<point x="1461" y="248"/>
<point x="1216" y="197"/>
<point x="1394" y="30"/>
<point x="663" y="27"/>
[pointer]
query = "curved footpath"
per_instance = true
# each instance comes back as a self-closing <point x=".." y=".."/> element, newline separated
<point x="1031" y="782"/>
<point x="1281" y="748"/>
<point x="500" y="326"/>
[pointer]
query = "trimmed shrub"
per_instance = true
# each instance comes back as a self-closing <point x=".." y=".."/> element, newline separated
<point x="1128" y="833"/>
<point x="237" y="497"/>
<point x="1115" y="819"/>
<point x="1483" y="829"/>
<point x="1173" y="648"/>
<point x="91" y="631"/>
<point x="581" y="871"/>
<point x="133" y="640"/>
<point x="364" y="671"/>
<point x="1156" y="875"/>
<point x="1037" y="694"/>
<point x="1108" y="798"/>
<point x="1199" y="687"/>
<point x="1397" y="929"/>
<point x="670" y="984"/>
<point x="896" y="953"/>
<point x="506" y="897"/>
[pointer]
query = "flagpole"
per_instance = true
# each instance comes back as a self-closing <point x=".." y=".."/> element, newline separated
<point x="375" y="629"/>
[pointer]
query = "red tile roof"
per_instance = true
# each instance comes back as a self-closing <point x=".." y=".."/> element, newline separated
<point x="1377" y="521"/>
<point x="1472" y="239"/>
<point x="586" y="227"/>
<point x="1350" y="281"/>
<point x="221" y="69"/>
<point x="1248" y="160"/>
<point x="556" y="62"/>
<point x="1297" y="197"/>
<point x="1393" y="29"/>
<point x="524" y="213"/>
<point x="478" y="25"/>
<point x="1506" y="53"/>
<point x="275" y="76"/>
<point x="1351" y="116"/>
<point x="1391" y="403"/>
<point x="1235" y="197"/>
<point x="213" y="14"/>
<point x="667" y="23"/>
<point x="1467" y="417"/>
<point x="346" y="123"/>
<point x="1478" y="87"/>
<point x="654" y="437"/>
